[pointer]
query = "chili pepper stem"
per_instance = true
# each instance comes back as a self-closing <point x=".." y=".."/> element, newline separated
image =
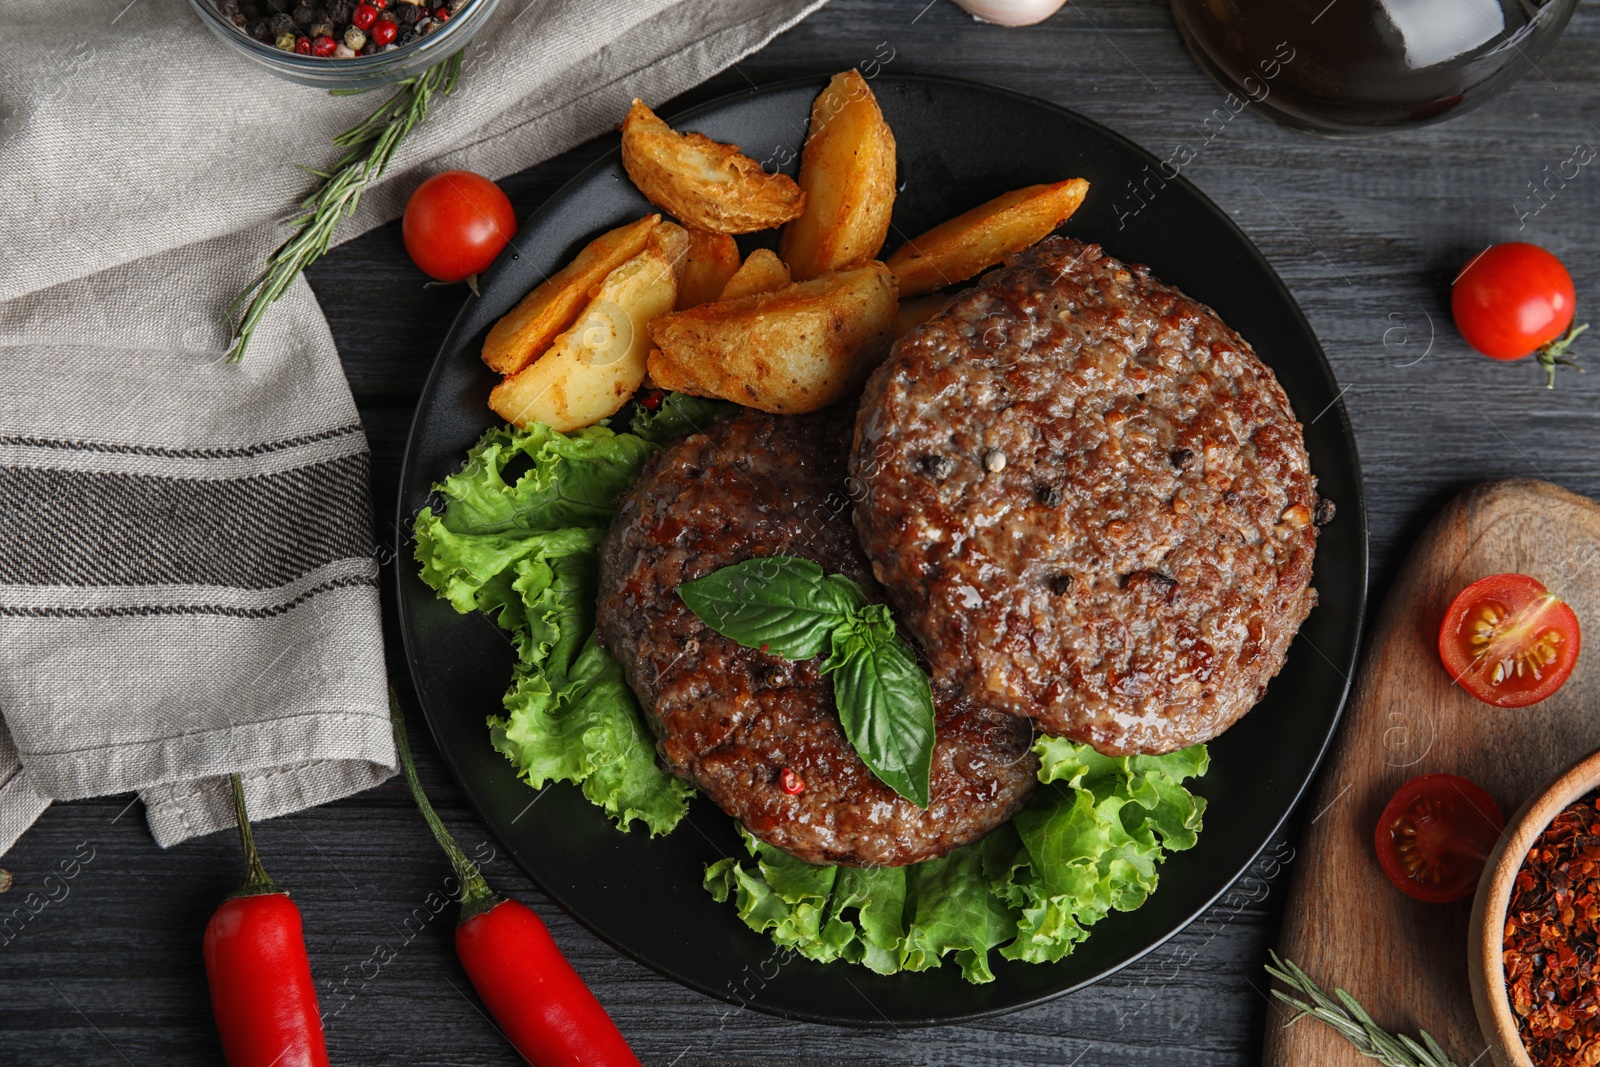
<point x="476" y="896"/>
<point x="256" y="879"/>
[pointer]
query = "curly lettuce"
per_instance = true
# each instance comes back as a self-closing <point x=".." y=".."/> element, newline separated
<point x="517" y="537"/>
<point x="1087" y="844"/>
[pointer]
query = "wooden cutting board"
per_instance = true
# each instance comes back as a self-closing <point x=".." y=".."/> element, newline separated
<point x="1344" y="923"/>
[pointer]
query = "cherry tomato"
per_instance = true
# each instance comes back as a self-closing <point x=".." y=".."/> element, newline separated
<point x="1511" y="299"/>
<point x="1516" y="299"/>
<point x="1509" y="641"/>
<point x="456" y="223"/>
<point x="1435" y="835"/>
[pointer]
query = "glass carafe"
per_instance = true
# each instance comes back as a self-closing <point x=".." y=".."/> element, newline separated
<point x="1344" y="67"/>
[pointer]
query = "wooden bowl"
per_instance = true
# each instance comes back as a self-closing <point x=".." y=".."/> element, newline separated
<point x="1486" y="932"/>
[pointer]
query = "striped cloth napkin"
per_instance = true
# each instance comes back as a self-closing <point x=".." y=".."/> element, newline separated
<point x="187" y="581"/>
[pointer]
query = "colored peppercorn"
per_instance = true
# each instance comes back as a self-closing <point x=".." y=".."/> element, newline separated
<point x="791" y="782"/>
<point x="308" y="22"/>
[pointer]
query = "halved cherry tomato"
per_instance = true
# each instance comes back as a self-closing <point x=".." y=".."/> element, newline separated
<point x="1509" y="641"/>
<point x="1435" y="835"/>
<point x="456" y="223"/>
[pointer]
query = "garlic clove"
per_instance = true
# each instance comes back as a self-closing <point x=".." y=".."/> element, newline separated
<point x="1011" y="12"/>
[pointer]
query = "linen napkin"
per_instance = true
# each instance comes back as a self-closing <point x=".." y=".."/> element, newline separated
<point x="187" y="581"/>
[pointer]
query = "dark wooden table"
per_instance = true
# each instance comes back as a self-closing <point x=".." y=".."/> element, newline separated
<point x="1367" y="234"/>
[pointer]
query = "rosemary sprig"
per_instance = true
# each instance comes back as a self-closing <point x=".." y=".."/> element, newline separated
<point x="371" y="143"/>
<point x="1347" y="1016"/>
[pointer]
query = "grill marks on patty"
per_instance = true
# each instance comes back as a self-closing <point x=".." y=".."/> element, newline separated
<point x="1145" y="455"/>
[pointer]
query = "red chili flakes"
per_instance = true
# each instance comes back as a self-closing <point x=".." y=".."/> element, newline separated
<point x="1552" y="944"/>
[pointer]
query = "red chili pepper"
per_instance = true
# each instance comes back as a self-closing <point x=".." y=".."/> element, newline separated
<point x="791" y="782"/>
<point x="261" y="990"/>
<point x="530" y="989"/>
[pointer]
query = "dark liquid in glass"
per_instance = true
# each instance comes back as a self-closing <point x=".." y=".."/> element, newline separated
<point x="1360" y="66"/>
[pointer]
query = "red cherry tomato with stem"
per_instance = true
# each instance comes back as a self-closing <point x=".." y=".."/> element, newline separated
<point x="1435" y="835"/>
<point x="1509" y="641"/>
<point x="1514" y="300"/>
<point x="456" y="223"/>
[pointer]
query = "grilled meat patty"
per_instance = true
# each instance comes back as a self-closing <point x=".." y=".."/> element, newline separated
<point x="732" y="719"/>
<point x="1090" y="501"/>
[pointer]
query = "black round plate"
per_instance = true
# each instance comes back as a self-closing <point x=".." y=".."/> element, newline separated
<point x="959" y="144"/>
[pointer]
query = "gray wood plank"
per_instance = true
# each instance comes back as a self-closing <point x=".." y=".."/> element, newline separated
<point x="1366" y="233"/>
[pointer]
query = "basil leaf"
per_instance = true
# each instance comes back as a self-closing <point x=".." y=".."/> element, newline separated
<point x="885" y="702"/>
<point x="789" y="607"/>
<point x="783" y="602"/>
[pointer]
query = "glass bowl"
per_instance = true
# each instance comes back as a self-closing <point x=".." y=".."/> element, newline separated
<point x="358" y="72"/>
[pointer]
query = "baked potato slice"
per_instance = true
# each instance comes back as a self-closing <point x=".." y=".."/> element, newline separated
<point x="591" y="370"/>
<point x="847" y="172"/>
<point x="704" y="184"/>
<point x="970" y="244"/>
<point x="916" y="311"/>
<point x="672" y="241"/>
<point x="791" y="351"/>
<point x="713" y="258"/>
<point x="525" y="331"/>
<point x="762" y="272"/>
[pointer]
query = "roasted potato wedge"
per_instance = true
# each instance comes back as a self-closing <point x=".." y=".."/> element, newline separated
<point x="792" y="351"/>
<point x="713" y="259"/>
<point x="527" y="329"/>
<point x="916" y="311"/>
<point x="704" y="184"/>
<point x="971" y="243"/>
<point x="590" y="371"/>
<point x="762" y="272"/>
<point x="672" y="241"/>
<point x="847" y="173"/>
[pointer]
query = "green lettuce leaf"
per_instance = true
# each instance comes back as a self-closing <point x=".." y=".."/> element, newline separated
<point x="678" y="416"/>
<point x="1088" y="843"/>
<point x="517" y="538"/>
<point x="783" y="897"/>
